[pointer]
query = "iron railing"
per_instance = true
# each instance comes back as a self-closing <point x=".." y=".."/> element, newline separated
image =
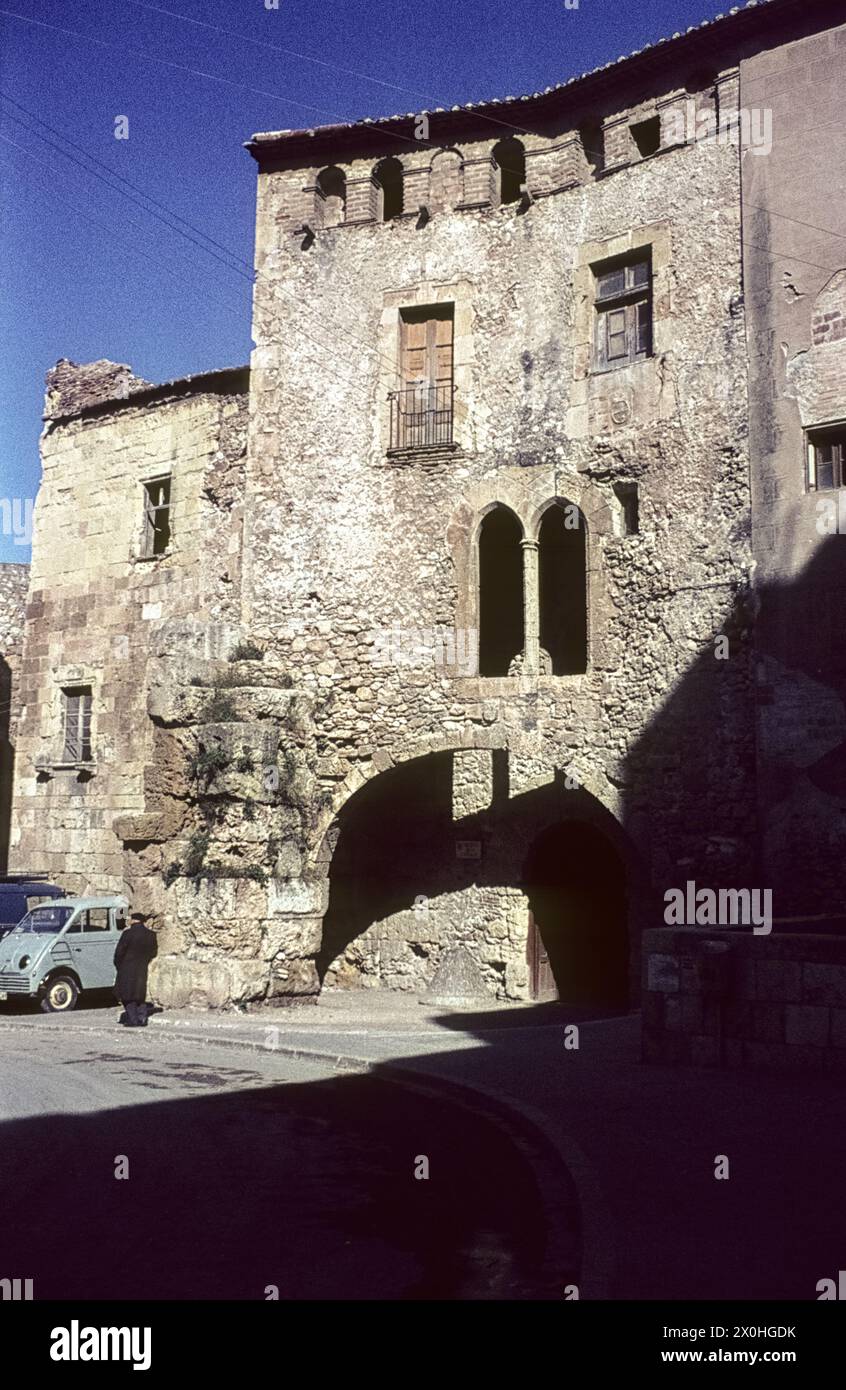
<point x="421" y="416"/>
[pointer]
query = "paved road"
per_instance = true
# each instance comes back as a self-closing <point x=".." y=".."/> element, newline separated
<point x="247" y="1170"/>
<point x="641" y="1214"/>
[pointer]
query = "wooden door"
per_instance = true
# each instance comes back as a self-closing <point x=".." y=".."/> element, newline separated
<point x="541" y="979"/>
<point x="427" y="349"/>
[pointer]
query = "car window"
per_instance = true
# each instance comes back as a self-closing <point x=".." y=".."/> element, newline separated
<point x="96" y="919"/>
<point x="45" y="919"/>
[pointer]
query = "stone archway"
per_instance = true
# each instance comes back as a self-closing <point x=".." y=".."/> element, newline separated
<point x="432" y="853"/>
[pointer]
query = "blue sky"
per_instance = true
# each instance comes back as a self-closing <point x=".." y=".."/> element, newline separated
<point x="88" y="273"/>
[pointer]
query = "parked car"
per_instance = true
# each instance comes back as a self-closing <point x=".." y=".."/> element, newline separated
<point x="60" y="949"/>
<point x="18" y="894"/>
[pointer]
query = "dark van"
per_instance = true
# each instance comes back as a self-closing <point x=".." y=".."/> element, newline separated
<point x="19" y="894"/>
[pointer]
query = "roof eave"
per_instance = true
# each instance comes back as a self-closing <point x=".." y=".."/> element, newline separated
<point x="710" y="38"/>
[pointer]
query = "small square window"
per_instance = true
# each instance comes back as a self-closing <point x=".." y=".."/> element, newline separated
<point x="156" y="517"/>
<point x="76" y="703"/>
<point x="593" y="145"/>
<point x="826" y="459"/>
<point x="647" y="136"/>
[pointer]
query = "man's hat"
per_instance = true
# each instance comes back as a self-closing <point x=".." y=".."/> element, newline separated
<point x="137" y="917"/>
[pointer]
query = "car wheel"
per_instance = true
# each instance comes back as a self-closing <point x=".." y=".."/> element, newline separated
<point x="61" y="995"/>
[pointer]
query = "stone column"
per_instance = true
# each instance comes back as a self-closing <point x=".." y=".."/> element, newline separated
<point x="677" y="115"/>
<point x="555" y="167"/>
<point x="478" y="179"/>
<point x="618" y="145"/>
<point x="362" y="199"/>
<point x="415" y="187"/>
<point x="531" y="608"/>
<point x="472" y="781"/>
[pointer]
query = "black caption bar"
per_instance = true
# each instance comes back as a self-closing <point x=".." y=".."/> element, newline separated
<point x="151" y="1339"/>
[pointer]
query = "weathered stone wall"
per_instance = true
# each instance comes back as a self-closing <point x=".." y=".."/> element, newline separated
<point x="795" y="270"/>
<point x="14" y="580"/>
<point x="735" y="999"/>
<point x="102" y="615"/>
<point x="345" y="541"/>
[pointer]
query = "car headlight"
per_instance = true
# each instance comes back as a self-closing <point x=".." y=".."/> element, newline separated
<point x="23" y="962"/>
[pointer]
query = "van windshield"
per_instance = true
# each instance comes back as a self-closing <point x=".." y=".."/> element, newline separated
<point x="44" y="919"/>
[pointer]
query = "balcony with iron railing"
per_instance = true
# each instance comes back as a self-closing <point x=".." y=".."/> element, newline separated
<point x="421" y="417"/>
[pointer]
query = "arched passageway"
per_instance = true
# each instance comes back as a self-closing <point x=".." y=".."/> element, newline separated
<point x="578" y="941"/>
<point x="394" y="856"/>
<point x="441" y="851"/>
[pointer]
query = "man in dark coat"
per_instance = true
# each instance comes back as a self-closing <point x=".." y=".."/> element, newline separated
<point x="136" y="947"/>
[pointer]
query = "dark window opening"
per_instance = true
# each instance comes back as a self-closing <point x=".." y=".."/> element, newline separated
<point x="156" y="516"/>
<point x="76" y="702"/>
<point x="421" y="411"/>
<point x="388" y="177"/>
<point x="647" y="136"/>
<point x="562" y="583"/>
<point x="701" y="80"/>
<point x="332" y="199"/>
<point x="826" y="459"/>
<point x="592" y="140"/>
<point x="510" y="160"/>
<point x="623" y="312"/>
<point x="626" y="494"/>
<point x="500" y="592"/>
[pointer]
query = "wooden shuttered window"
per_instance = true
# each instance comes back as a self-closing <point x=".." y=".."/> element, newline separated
<point x="77" y="721"/>
<point x="421" y="410"/>
<point x="623" y="314"/>
<point x="426" y="348"/>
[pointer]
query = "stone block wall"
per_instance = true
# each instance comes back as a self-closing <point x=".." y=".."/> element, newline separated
<point x="103" y="616"/>
<point x="14" y="581"/>
<point x="731" y="998"/>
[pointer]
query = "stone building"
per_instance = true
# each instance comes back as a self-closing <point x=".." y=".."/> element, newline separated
<point x="436" y="626"/>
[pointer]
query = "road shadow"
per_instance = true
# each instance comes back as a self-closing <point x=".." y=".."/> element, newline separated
<point x="309" y="1187"/>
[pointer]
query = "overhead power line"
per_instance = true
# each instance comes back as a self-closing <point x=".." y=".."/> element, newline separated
<point x="196" y="72"/>
<point x="332" y="326"/>
<point x="322" y="63"/>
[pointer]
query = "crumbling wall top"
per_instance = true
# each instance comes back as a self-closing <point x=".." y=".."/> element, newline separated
<point x="75" y="386"/>
<point x="86" y="388"/>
